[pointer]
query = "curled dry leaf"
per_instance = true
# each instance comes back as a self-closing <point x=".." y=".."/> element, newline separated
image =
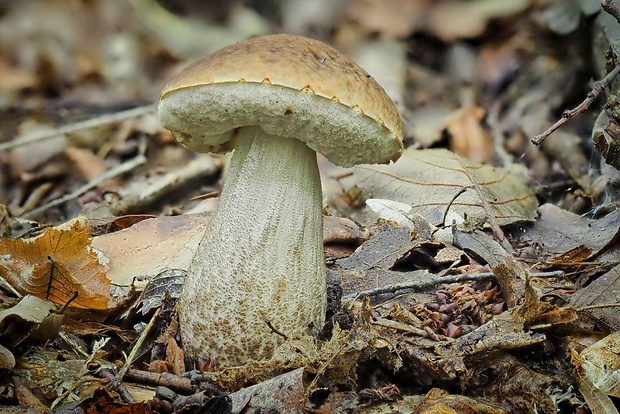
<point x="433" y="181"/>
<point x="32" y="319"/>
<point x="55" y="265"/>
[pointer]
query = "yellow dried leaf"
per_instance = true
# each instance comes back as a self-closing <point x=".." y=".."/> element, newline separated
<point x="57" y="264"/>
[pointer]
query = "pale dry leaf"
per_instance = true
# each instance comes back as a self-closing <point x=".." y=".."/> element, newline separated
<point x="601" y="364"/>
<point x="455" y="19"/>
<point x="86" y="164"/>
<point x="150" y="247"/>
<point x="429" y="122"/>
<point x="392" y="18"/>
<point x="437" y="180"/>
<point x="391" y="210"/>
<point x="29" y="156"/>
<point x="283" y="394"/>
<point x="30" y="319"/>
<point x="74" y="267"/>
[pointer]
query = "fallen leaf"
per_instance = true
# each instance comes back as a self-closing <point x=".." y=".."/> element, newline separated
<point x="340" y="230"/>
<point x="429" y="122"/>
<point x="150" y="247"/>
<point x="433" y="181"/>
<point x="601" y="364"/>
<point x="564" y="17"/>
<point x="86" y="164"/>
<point x="31" y="318"/>
<point x="454" y="19"/>
<point x="438" y="401"/>
<point x="392" y="18"/>
<point x="102" y="401"/>
<point x="558" y="231"/>
<point x="604" y="290"/>
<point x="56" y="264"/>
<point x="282" y="394"/>
<point x="467" y="136"/>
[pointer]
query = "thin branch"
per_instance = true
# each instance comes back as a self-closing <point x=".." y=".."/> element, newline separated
<point x="610" y="7"/>
<point x="598" y="89"/>
<point x="114" y="172"/>
<point x="172" y="381"/>
<point x="396" y="287"/>
<point x="136" y="347"/>
<point x="78" y="126"/>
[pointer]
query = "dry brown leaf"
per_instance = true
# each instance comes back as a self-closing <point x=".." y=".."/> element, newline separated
<point x="559" y="231"/>
<point x="508" y="272"/>
<point x="467" y="136"/>
<point x="87" y="164"/>
<point x="74" y="266"/>
<point x="431" y="181"/>
<point x="438" y="401"/>
<point x="454" y="19"/>
<point x="392" y="18"/>
<point x="605" y="290"/>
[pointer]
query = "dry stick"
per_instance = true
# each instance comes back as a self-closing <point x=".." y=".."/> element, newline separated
<point x="116" y="171"/>
<point x="604" y="306"/>
<point x="174" y="382"/>
<point x="582" y="107"/>
<point x="119" y="388"/>
<point x="89" y="123"/>
<point x="614" y="11"/>
<point x="611" y="8"/>
<point x="440" y="280"/>
<point x="497" y="230"/>
<point x="136" y="348"/>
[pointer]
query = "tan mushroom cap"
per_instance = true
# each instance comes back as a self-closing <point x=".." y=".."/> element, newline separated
<point x="290" y="86"/>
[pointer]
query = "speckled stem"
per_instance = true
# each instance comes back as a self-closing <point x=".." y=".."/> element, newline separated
<point x="261" y="257"/>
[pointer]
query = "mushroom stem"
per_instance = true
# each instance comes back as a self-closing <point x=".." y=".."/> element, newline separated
<point x="261" y="258"/>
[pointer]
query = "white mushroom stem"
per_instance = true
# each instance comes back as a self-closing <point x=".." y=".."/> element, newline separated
<point x="261" y="258"/>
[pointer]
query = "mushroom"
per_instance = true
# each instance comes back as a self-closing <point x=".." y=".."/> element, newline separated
<point x="259" y="268"/>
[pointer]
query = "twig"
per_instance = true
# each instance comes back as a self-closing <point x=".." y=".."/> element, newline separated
<point x="116" y="171"/>
<point x="274" y="330"/>
<point x="136" y="348"/>
<point x="89" y="123"/>
<point x="611" y="8"/>
<point x="119" y="388"/>
<point x="492" y="220"/>
<point x="174" y="382"/>
<point x="604" y="306"/>
<point x="437" y="281"/>
<point x="598" y="89"/>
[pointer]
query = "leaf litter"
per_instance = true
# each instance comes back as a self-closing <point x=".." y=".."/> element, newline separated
<point x="476" y="275"/>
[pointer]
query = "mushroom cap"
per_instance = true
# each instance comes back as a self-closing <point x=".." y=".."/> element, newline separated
<point x="290" y="86"/>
